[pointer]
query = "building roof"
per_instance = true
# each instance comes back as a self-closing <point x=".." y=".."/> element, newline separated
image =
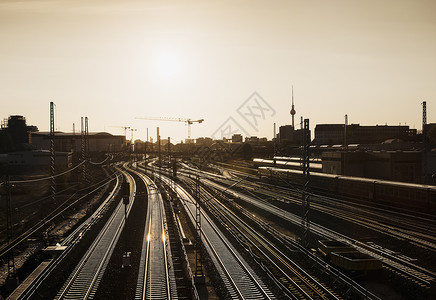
<point x="70" y="134"/>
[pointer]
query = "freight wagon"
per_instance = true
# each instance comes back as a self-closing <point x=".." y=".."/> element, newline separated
<point x="398" y="194"/>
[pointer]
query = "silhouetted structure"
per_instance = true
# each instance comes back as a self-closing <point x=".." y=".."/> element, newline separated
<point x="237" y="138"/>
<point x="287" y="133"/>
<point x="331" y="134"/>
<point x="15" y="134"/>
<point x="66" y="142"/>
<point x="405" y="166"/>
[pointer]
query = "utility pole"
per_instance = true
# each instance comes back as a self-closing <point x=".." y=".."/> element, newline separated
<point x="83" y="146"/>
<point x="199" y="275"/>
<point x="345" y="132"/>
<point x="145" y="148"/>
<point x="158" y="147"/>
<point x="125" y="192"/>
<point x="86" y="138"/>
<point x="9" y="229"/>
<point x="275" y="140"/>
<point x="87" y="150"/>
<point x="305" y="201"/>
<point x="169" y="150"/>
<point x="52" y="154"/>
<point x="424" y="142"/>
<point x="424" y="115"/>
<point x="344" y="155"/>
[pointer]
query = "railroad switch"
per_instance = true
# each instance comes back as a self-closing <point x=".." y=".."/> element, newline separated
<point x="126" y="260"/>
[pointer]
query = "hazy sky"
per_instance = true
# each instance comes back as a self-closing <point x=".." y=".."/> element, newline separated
<point x="115" y="60"/>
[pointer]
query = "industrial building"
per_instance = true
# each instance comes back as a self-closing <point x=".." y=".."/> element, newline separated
<point x="204" y="141"/>
<point x="70" y="142"/>
<point x="36" y="158"/>
<point x="15" y="134"/>
<point x="287" y="134"/>
<point x="405" y="166"/>
<point x="237" y="138"/>
<point x="339" y="134"/>
<point x="430" y="133"/>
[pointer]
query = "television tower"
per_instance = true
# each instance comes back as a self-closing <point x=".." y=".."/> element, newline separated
<point x="292" y="109"/>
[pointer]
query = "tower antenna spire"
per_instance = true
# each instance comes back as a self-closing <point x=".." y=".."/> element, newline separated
<point x="292" y="108"/>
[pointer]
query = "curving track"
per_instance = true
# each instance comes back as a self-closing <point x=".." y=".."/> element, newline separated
<point x="84" y="281"/>
<point x="403" y="266"/>
<point x="27" y="291"/>
<point x="297" y="283"/>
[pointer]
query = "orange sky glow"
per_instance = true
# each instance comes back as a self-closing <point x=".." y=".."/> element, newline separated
<point x="113" y="61"/>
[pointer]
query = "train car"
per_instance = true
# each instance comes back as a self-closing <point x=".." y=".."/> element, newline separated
<point x="324" y="182"/>
<point x="278" y="174"/>
<point x="260" y="162"/>
<point x="362" y="188"/>
<point x="320" y="181"/>
<point x="406" y="195"/>
<point x="432" y="200"/>
<point x="296" y="159"/>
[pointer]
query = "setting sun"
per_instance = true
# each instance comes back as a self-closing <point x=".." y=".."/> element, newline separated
<point x="167" y="65"/>
<point x="300" y="132"/>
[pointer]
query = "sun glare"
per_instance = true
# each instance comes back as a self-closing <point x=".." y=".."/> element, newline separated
<point x="167" y="65"/>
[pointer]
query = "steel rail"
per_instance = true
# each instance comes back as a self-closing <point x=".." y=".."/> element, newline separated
<point x="155" y="272"/>
<point x="240" y="280"/>
<point x="369" y="219"/>
<point x="84" y="281"/>
<point x="24" y="236"/>
<point x="375" y="220"/>
<point x="72" y="239"/>
<point x="258" y="241"/>
<point x="416" y="272"/>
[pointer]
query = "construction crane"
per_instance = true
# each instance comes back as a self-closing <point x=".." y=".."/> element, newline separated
<point x="189" y="122"/>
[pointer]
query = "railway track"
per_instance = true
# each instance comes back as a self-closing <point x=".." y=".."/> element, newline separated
<point x="156" y="277"/>
<point x="409" y="270"/>
<point x="240" y="280"/>
<point x="84" y="280"/>
<point x="28" y="290"/>
<point x="398" y="225"/>
<point x="350" y="286"/>
<point x="295" y="282"/>
<point x="419" y="230"/>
